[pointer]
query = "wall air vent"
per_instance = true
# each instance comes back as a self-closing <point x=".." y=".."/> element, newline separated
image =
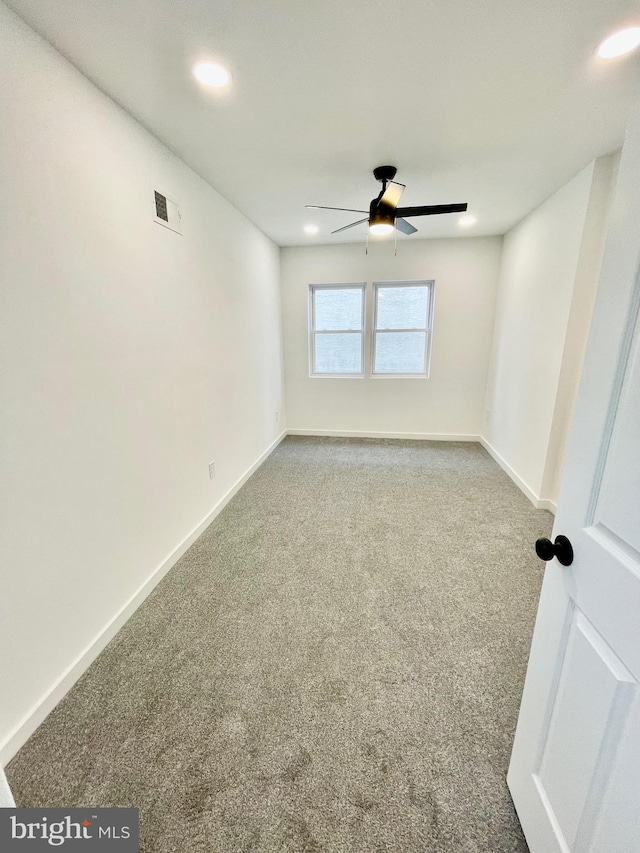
<point x="166" y="212"/>
<point x="161" y="206"/>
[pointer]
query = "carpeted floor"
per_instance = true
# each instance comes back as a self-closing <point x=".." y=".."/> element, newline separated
<point x="335" y="665"/>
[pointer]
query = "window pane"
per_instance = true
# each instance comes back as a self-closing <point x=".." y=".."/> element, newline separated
<point x="402" y="307"/>
<point x="339" y="308"/>
<point x="400" y="352"/>
<point x="338" y="353"/>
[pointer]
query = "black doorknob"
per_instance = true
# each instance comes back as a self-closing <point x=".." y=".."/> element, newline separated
<point x="560" y="549"/>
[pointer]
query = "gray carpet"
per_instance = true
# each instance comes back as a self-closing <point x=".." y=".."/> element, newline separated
<point x="335" y="665"/>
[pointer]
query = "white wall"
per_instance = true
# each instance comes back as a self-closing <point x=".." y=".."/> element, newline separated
<point x="131" y="357"/>
<point x="550" y="266"/>
<point x="579" y="321"/>
<point x="451" y="401"/>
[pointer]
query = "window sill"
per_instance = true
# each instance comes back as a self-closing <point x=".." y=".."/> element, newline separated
<point x="337" y="376"/>
<point x="369" y="376"/>
<point x="399" y="376"/>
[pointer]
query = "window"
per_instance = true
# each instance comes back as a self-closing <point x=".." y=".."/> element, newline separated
<point x="352" y="335"/>
<point x="336" y="329"/>
<point x="402" y="328"/>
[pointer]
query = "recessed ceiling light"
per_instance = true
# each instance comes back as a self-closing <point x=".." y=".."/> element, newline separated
<point x="211" y="74"/>
<point x="467" y="221"/>
<point x="624" y="41"/>
<point x="310" y="229"/>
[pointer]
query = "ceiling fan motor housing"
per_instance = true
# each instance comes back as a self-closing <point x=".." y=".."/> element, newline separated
<point x="381" y="213"/>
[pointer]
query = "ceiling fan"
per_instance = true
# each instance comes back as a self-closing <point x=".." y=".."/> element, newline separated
<point x="384" y="213"/>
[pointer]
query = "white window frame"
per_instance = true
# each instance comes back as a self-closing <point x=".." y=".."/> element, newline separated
<point x="358" y="285"/>
<point x="427" y="330"/>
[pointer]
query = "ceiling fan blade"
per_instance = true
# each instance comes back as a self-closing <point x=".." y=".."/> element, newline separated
<point x="344" y="227"/>
<point x="431" y="209"/>
<point x="404" y="226"/>
<point x="391" y="196"/>
<point x="348" y="209"/>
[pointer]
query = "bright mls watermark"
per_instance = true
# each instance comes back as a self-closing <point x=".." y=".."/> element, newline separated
<point x="89" y="829"/>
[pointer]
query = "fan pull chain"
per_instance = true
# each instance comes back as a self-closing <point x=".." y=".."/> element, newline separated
<point x="395" y="242"/>
<point x="366" y="243"/>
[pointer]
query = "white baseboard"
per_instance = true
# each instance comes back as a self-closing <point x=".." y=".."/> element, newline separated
<point x="414" y="436"/>
<point x="538" y="502"/>
<point x="520" y="483"/>
<point x="35" y="716"/>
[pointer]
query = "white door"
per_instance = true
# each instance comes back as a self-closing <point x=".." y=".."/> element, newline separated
<point x="6" y="797"/>
<point x="575" y="768"/>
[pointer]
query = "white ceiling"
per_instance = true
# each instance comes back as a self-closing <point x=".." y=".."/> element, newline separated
<point x="494" y="102"/>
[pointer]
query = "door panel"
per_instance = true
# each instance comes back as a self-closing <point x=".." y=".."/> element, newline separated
<point x="575" y="752"/>
<point x="618" y="503"/>
<point x="618" y="818"/>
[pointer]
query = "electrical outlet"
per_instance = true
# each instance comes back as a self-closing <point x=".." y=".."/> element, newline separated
<point x="212" y="470"/>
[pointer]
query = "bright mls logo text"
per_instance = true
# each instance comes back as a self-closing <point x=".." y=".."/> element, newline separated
<point x="57" y="832"/>
<point x="86" y="830"/>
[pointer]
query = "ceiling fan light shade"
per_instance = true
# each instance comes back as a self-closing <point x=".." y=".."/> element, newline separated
<point x="379" y="229"/>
